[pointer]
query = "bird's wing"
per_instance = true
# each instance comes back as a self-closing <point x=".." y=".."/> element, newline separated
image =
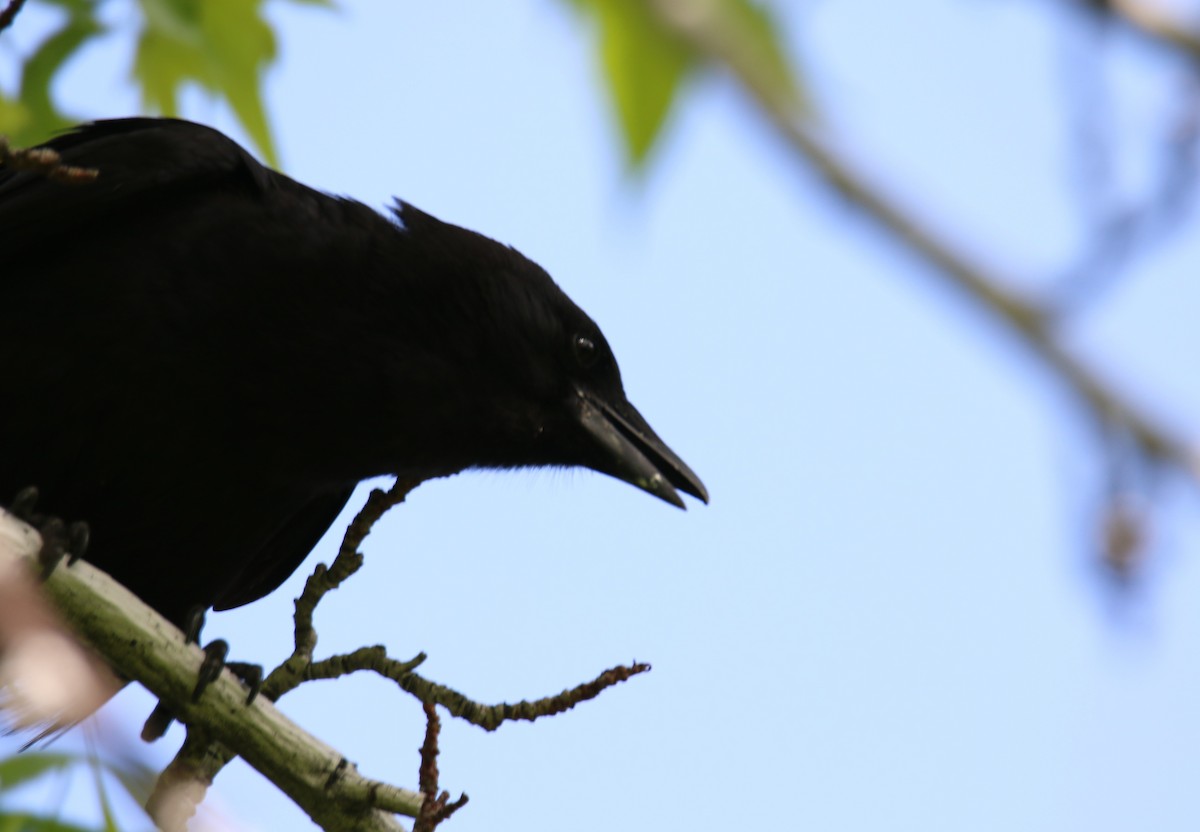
<point x="138" y="160"/>
<point x="280" y="557"/>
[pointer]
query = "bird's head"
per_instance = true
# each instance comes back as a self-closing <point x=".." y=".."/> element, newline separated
<point x="543" y="385"/>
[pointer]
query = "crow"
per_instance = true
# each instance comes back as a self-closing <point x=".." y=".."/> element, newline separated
<point x="202" y="357"/>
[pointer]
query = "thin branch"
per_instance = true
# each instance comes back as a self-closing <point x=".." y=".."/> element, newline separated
<point x="374" y="659"/>
<point x="45" y="161"/>
<point x="428" y="778"/>
<point x="695" y="23"/>
<point x="437" y="806"/>
<point x="10" y="12"/>
<point x="291" y="672"/>
<point x="1120" y="226"/>
<point x="201" y="757"/>
<point x="491" y="717"/>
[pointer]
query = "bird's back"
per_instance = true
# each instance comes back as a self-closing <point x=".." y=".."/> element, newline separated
<point x="136" y="312"/>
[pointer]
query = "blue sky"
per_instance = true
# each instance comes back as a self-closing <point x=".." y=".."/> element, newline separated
<point x="889" y="616"/>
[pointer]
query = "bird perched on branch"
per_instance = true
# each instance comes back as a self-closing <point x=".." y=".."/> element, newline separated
<point x="202" y="357"/>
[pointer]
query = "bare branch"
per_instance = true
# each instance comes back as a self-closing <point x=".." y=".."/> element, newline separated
<point x="10" y="12"/>
<point x="437" y="806"/>
<point x="491" y="717"/>
<point x="45" y="161"/>
<point x="201" y="756"/>
<point x="323" y="579"/>
<point x="374" y="659"/>
<point x="693" y="22"/>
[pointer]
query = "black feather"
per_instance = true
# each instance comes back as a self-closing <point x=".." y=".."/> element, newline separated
<point x="202" y="357"/>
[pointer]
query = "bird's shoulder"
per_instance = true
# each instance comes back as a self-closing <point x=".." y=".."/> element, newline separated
<point x="143" y="165"/>
<point x="134" y="154"/>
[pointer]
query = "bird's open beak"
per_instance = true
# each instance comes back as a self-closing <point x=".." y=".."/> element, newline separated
<point x="631" y="450"/>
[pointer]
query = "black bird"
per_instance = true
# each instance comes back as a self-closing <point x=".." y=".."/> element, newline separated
<point x="202" y="357"/>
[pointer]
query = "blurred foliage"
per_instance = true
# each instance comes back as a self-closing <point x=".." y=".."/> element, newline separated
<point x="31" y="768"/>
<point x="646" y="64"/>
<point x="222" y="46"/>
<point x="31" y="115"/>
<point x="644" y="68"/>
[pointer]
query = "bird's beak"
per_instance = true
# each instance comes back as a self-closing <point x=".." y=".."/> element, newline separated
<point x="631" y="451"/>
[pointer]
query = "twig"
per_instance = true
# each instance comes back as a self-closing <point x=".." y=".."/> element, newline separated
<point x="290" y="673"/>
<point x="200" y="759"/>
<point x="437" y="806"/>
<point x="374" y="659"/>
<point x="491" y="717"/>
<point x="10" y="13"/>
<point x="427" y="778"/>
<point x="45" y="161"/>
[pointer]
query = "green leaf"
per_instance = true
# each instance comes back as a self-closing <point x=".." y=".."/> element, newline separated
<point x="14" y="119"/>
<point x="644" y="65"/>
<point x="221" y="45"/>
<point x="647" y="54"/>
<point x="40" y="115"/>
<point x="21" y="768"/>
<point x="21" y="822"/>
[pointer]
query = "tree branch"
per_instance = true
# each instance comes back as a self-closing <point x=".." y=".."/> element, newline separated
<point x="1152" y="22"/>
<point x="291" y="671"/>
<point x="698" y="24"/>
<point x="144" y="646"/>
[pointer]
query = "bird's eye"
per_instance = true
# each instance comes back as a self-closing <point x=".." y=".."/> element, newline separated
<point x="585" y="351"/>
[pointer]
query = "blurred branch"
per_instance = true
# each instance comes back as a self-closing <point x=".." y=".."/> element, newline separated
<point x="1152" y="21"/>
<point x="1124" y="226"/>
<point x="46" y="679"/>
<point x="698" y="23"/>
